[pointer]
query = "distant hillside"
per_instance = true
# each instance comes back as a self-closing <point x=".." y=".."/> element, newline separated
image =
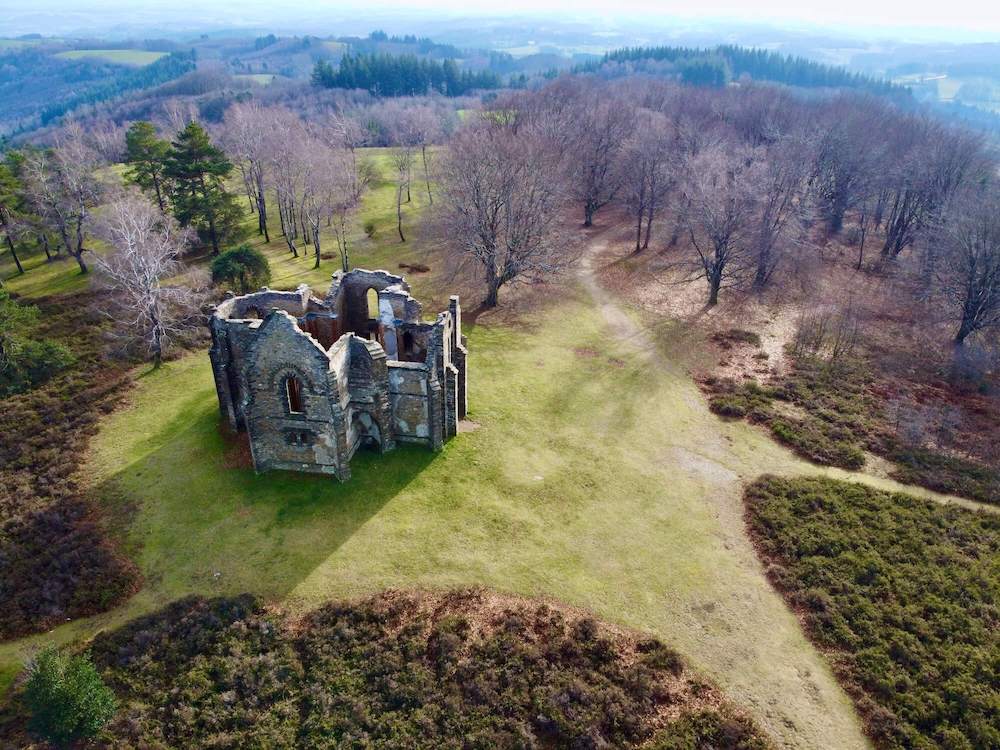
<point x="38" y="84"/>
<point x="717" y="66"/>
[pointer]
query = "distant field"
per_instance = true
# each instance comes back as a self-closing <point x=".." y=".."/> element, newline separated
<point x="137" y="57"/>
<point x="264" y="79"/>
<point x="335" y="46"/>
<point x="11" y="44"/>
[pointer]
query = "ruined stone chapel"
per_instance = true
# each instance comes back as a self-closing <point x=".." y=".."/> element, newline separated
<point x="311" y="381"/>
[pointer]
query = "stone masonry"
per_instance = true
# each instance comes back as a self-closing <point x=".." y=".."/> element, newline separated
<point x="311" y="381"/>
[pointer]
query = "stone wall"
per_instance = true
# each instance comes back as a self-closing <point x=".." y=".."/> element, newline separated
<point x="347" y="392"/>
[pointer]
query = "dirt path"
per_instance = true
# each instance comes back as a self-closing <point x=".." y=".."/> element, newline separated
<point x="802" y="704"/>
<point x="736" y="626"/>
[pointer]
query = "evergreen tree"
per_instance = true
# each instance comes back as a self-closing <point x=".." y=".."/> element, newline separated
<point x="146" y="156"/>
<point x="197" y="171"/>
<point x="67" y="698"/>
<point x="243" y="267"/>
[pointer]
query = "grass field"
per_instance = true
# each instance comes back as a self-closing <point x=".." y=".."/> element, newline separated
<point x="262" y="79"/>
<point x="597" y="477"/>
<point x="135" y="57"/>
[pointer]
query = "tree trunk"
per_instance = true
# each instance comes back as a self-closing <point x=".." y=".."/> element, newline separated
<point x="157" y="343"/>
<point x="262" y="208"/>
<point x="492" y="288"/>
<point x="427" y="176"/>
<point x="44" y="239"/>
<point x="159" y="195"/>
<point x="315" y="229"/>
<point x="13" y="254"/>
<point x="649" y="225"/>
<point x="588" y="215"/>
<point x="399" y="213"/>
<point x="714" y="283"/>
<point x="78" y="253"/>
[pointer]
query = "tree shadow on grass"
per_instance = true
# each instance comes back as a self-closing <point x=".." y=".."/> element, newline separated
<point x="201" y="525"/>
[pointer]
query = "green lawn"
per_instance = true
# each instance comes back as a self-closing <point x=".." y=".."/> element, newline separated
<point x="137" y="57"/>
<point x="41" y="277"/>
<point x="592" y="480"/>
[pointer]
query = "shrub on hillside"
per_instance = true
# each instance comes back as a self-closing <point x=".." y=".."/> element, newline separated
<point x="416" y="671"/>
<point x="66" y="697"/>
<point x="904" y="593"/>
<point x="25" y="361"/>
<point x="56" y="561"/>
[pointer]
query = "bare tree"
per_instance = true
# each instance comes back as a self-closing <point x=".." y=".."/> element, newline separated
<point x="780" y="173"/>
<point x="289" y="150"/>
<point x="402" y="162"/>
<point x="248" y="136"/>
<point x="64" y="188"/>
<point x="719" y="188"/>
<point x="325" y="184"/>
<point x="146" y="246"/>
<point x="846" y="156"/>
<point x="602" y="124"/>
<point x="648" y="172"/>
<point x="500" y="203"/>
<point x="970" y="279"/>
<point x="934" y="167"/>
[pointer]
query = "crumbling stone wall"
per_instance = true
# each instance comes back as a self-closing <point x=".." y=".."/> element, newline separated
<point x="312" y="381"/>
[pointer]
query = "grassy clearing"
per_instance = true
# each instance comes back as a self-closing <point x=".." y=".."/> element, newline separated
<point x="903" y="592"/>
<point x="42" y="277"/>
<point x="135" y="57"/>
<point x="525" y="504"/>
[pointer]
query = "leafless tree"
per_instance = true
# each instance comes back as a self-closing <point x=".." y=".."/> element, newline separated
<point x="970" y="277"/>
<point x="248" y="136"/>
<point x="846" y="156"/>
<point x="601" y="125"/>
<point x="780" y="171"/>
<point x="649" y="169"/>
<point x="64" y="187"/>
<point x="500" y="203"/>
<point x="289" y="159"/>
<point x="146" y="246"/>
<point x="936" y="164"/>
<point x="720" y="191"/>
<point x="402" y="162"/>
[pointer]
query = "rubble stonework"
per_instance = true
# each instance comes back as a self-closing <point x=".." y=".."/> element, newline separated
<point x="311" y="381"/>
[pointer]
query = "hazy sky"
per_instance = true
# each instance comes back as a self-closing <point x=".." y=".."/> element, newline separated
<point x="981" y="18"/>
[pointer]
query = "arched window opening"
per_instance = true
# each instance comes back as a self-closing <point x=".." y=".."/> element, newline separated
<point x="254" y="313"/>
<point x="293" y="394"/>
<point x="408" y="343"/>
<point x="372" y="296"/>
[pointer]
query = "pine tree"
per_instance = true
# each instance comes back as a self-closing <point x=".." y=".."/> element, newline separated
<point x="197" y="171"/>
<point x="146" y="156"/>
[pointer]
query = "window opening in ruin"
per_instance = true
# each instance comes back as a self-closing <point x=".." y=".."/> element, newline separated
<point x="254" y="313"/>
<point x="299" y="438"/>
<point x="293" y="394"/>
<point x="408" y="343"/>
<point x="372" y="296"/>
